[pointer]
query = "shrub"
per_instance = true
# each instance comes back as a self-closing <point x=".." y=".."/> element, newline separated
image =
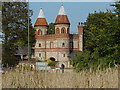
<point x="51" y="63"/>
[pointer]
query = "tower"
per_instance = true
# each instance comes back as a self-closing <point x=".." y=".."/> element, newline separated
<point x="80" y="34"/>
<point x="41" y="24"/>
<point x="62" y="23"/>
<point x="62" y="26"/>
<point x="41" y="29"/>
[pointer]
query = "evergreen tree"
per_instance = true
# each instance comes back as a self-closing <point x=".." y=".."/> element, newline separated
<point x="15" y="29"/>
<point x="51" y="29"/>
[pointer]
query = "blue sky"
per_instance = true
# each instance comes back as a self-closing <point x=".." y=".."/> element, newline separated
<point x="76" y="11"/>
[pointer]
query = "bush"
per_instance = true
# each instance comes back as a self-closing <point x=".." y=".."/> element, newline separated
<point x="50" y="62"/>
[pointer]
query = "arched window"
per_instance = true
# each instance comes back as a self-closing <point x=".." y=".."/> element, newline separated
<point x="47" y="32"/>
<point x="51" y="44"/>
<point x="67" y="30"/>
<point x="63" y="30"/>
<point x="39" y="44"/>
<point x="63" y="55"/>
<point x="39" y="32"/>
<point x="63" y="44"/>
<point x="39" y="54"/>
<point x="57" y="31"/>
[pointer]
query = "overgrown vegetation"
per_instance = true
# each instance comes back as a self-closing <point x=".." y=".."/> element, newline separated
<point x="15" y="30"/>
<point x="99" y="79"/>
<point x="50" y="62"/>
<point x="101" y="40"/>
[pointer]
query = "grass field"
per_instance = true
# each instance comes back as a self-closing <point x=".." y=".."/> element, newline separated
<point x="70" y="79"/>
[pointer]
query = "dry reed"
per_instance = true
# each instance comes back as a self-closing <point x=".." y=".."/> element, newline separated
<point x="70" y="79"/>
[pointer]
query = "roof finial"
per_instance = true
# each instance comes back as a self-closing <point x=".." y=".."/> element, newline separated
<point x="62" y="11"/>
<point x="62" y="4"/>
<point x="41" y="14"/>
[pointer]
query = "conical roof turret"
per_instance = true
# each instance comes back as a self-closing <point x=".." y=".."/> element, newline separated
<point x="62" y="17"/>
<point x="41" y="21"/>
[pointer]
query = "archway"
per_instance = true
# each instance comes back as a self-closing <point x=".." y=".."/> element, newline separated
<point x="62" y="66"/>
<point x="52" y="58"/>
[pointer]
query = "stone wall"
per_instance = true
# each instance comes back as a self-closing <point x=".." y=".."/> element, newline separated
<point x="57" y="46"/>
<point x="60" y="26"/>
<point x="43" y="29"/>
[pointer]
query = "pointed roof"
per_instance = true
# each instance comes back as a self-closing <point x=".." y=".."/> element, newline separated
<point x="41" y="21"/>
<point x="62" y="11"/>
<point x="41" y="14"/>
<point x="62" y="17"/>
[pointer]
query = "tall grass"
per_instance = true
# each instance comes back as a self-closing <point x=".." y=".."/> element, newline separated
<point x="70" y="79"/>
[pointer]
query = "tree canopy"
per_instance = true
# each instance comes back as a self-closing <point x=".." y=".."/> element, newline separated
<point x="15" y="29"/>
<point x="101" y="41"/>
<point x="51" y="29"/>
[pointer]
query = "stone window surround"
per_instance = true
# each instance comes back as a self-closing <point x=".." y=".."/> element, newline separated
<point x="39" y="32"/>
<point x="39" y="44"/>
<point x="63" y="30"/>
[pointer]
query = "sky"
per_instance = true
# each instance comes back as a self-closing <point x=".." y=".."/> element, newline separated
<point x="76" y="11"/>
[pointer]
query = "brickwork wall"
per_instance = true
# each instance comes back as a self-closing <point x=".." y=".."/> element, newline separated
<point x="81" y="42"/>
<point x="60" y="26"/>
<point x="43" y="29"/>
<point x="52" y="45"/>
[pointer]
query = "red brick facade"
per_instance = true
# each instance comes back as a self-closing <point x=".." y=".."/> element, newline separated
<point x="59" y="45"/>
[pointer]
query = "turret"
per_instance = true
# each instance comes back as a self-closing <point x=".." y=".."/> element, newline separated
<point x="41" y="25"/>
<point x="62" y="23"/>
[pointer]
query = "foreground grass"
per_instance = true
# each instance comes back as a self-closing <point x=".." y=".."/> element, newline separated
<point x="101" y="79"/>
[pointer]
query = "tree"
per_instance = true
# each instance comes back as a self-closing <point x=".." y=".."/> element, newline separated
<point x="51" y="29"/>
<point x="117" y="9"/>
<point x="101" y="40"/>
<point x="15" y="29"/>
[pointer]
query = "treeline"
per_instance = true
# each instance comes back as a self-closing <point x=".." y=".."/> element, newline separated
<point x="15" y="30"/>
<point x="101" y="40"/>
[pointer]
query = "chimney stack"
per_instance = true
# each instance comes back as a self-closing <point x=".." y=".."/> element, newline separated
<point x="80" y="28"/>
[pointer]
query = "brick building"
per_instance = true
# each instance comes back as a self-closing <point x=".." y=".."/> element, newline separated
<point x="58" y="46"/>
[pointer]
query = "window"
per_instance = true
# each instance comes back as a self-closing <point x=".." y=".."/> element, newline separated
<point x="39" y="44"/>
<point x="39" y="32"/>
<point x="67" y="30"/>
<point x="47" y="32"/>
<point x="63" y="44"/>
<point x="63" y="55"/>
<point x="63" y="30"/>
<point x="39" y="54"/>
<point x="57" y="31"/>
<point x="71" y="44"/>
<point x="51" y="44"/>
